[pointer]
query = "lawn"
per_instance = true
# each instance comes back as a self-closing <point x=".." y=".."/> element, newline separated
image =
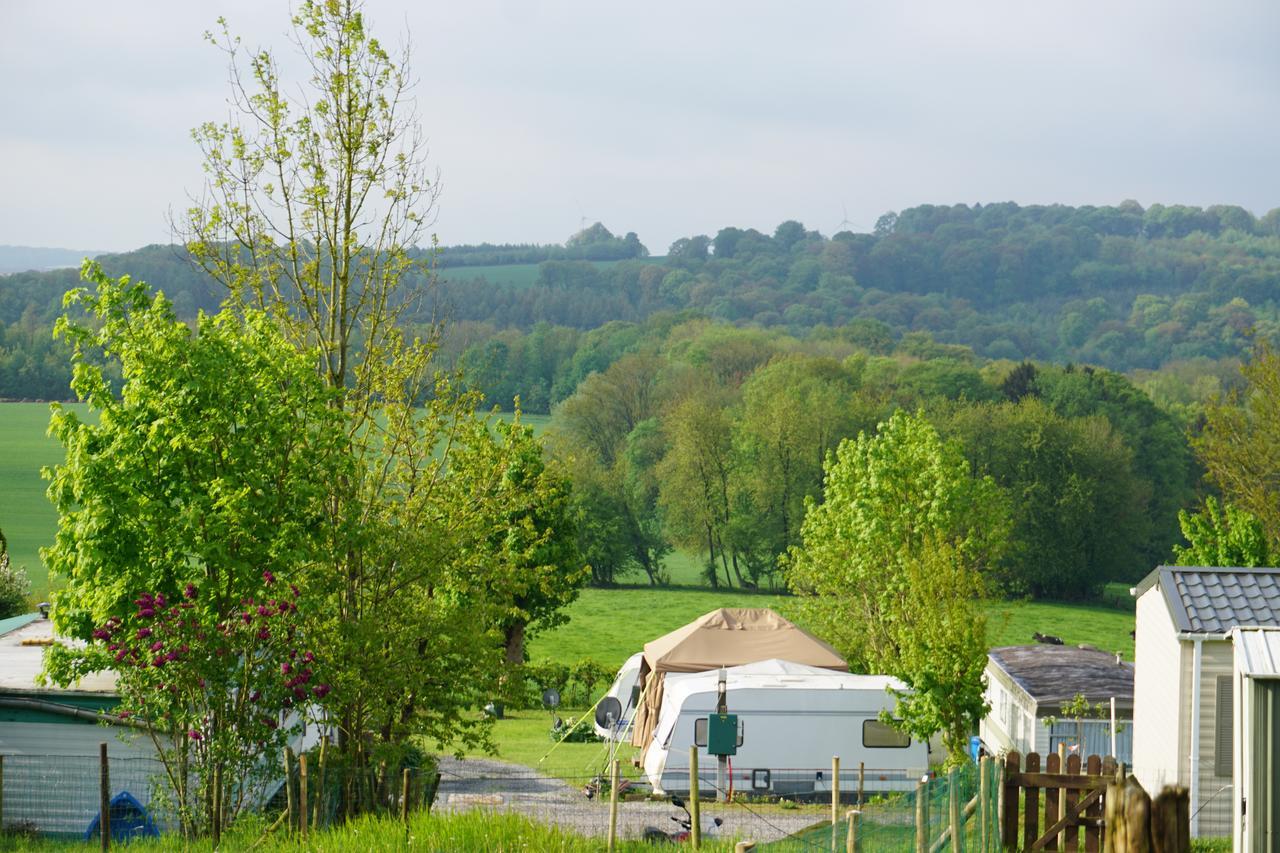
<point x="609" y="625"/>
<point x="26" y="516"/>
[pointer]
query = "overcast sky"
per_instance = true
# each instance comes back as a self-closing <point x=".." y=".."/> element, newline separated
<point x="675" y="118"/>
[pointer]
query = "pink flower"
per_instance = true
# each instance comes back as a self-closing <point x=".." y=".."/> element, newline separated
<point x="284" y="668"/>
<point x="190" y="592"/>
<point x="264" y="634"/>
<point x="294" y="589"/>
<point x="307" y="657"/>
<point x="160" y="600"/>
<point x="195" y="735"/>
<point x="268" y="577"/>
<point x="101" y="633"/>
<point x="321" y="690"/>
<point x="143" y="633"/>
<point x="146" y="613"/>
<point x="269" y="723"/>
<point x="157" y="645"/>
<point x="159" y="661"/>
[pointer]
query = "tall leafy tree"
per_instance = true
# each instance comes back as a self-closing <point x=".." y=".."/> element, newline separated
<point x="1222" y="535"/>
<point x="890" y="567"/>
<point x="1240" y="443"/>
<point x="191" y="517"/>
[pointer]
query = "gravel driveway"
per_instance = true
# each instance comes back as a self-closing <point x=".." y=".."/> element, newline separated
<point x="486" y="783"/>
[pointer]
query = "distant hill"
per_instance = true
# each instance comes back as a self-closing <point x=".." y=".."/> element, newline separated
<point x="24" y="258"/>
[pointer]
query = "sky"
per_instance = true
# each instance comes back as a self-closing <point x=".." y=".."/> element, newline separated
<point x="673" y="118"/>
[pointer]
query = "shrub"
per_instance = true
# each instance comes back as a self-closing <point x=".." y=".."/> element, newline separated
<point x="15" y="587"/>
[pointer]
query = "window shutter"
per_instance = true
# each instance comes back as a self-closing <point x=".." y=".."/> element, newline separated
<point x="1223" y="722"/>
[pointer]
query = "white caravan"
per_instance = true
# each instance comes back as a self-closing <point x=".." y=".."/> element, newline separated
<point x="793" y="718"/>
<point x="626" y="689"/>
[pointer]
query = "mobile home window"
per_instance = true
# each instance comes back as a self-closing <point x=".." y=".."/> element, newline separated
<point x="880" y="736"/>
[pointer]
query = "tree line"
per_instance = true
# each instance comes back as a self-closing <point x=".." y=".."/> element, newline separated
<point x="712" y="439"/>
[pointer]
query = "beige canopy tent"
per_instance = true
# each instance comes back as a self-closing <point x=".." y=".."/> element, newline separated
<point x="730" y="636"/>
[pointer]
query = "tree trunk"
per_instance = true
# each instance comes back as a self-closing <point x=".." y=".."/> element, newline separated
<point x="515" y="644"/>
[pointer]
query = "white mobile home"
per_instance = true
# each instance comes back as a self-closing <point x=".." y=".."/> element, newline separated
<point x="1029" y="686"/>
<point x="794" y="718"/>
<point x="1183" y="690"/>
<point x="1256" y="723"/>
<point x="626" y="689"/>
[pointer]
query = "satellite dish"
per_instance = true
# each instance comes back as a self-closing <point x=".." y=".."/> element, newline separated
<point x="551" y="698"/>
<point x="608" y="712"/>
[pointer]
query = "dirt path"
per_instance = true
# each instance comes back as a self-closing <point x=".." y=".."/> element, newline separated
<point x="487" y="783"/>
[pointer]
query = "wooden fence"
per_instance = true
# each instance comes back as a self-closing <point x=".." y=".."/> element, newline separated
<point x="1073" y="792"/>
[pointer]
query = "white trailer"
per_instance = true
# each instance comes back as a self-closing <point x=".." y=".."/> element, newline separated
<point x="626" y="689"/>
<point x="794" y="718"/>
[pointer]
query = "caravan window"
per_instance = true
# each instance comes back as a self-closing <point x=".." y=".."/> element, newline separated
<point x="878" y="735"/>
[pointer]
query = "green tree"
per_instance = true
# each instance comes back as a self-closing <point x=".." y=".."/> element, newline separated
<point x="890" y="563"/>
<point x="1240" y="443"/>
<point x="1221" y="535"/>
<point x="317" y="196"/>
<point x="190" y="517"/>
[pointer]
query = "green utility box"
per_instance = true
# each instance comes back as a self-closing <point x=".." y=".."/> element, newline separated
<point x="722" y="734"/>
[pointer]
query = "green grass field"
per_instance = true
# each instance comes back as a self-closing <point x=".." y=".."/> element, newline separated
<point x="26" y="516"/>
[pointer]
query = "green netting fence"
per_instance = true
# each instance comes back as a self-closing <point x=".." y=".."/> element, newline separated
<point x="914" y="820"/>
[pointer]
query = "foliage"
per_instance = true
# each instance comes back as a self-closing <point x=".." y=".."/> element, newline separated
<point x="190" y="517"/>
<point x="1220" y="535"/>
<point x="15" y="586"/>
<point x="891" y="562"/>
<point x="1240" y="444"/>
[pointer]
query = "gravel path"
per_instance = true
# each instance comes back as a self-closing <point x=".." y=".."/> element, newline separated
<point x="486" y="783"/>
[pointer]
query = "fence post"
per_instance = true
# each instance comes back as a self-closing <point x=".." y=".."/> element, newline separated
<point x="1009" y="802"/>
<point x="953" y="796"/>
<point x="835" y="797"/>
<point x="922" y="817"/>
<point x="851" y="837"/>
<point x="304" y="802"/>
<point x="613" y="803"/>
<point x="315" y="818"/>
<point x="215" y="819"/>
<point x="289" y="808"/>
<point x="984" y="807"/>
<point x="1061" y="841"/>
<point x="1" y="793"/>
<point x="404" y="801"/>
<point x="104" y="796"/>
<point x="1171" y="820"/>
<point x="862" y="772"/>
<point x="695" y="828"/>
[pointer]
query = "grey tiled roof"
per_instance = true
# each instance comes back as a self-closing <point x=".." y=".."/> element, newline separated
<point x="1213" y="601"/>
<point x="1053" y="675"/>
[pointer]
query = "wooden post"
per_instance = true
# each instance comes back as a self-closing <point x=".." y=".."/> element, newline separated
<point x="922" y="817"/>
<point x="1128" y="818"/>
<point x="1171" y="821"/>
<point x="1031" y="814"/>
<point x="613" y="804"/>
<point x="1" y="794"/>
<point x="1062" y="795"/>
<point x="315" y="817"/>
<point x="835" y="792"/>
<point x="304" y="802"/>
<point x="851" y="837"/>
<point x="104" y="796"/>
<point x="953" y="797"/>
<point x="862" y="774"/>
<point x="215" y="822"/>
<point x="984" y="807"/>
<point x="1009" y="802"/>
<point x="289" y="807"/>
<point x="695" y="828"/>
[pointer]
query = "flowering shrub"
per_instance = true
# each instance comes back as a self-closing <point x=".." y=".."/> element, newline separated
<point x="226" y="685"/>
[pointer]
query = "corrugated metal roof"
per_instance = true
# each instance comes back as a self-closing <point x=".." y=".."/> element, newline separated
<point x="1257" y="652"/>
<point x="21" y="664"/>
<point x="13" y="623"/>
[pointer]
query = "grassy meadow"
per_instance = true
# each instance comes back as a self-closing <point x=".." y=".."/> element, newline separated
<point x="26" y="516"/>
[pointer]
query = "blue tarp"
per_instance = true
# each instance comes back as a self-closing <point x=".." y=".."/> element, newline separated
<point x="129" y="819"/>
